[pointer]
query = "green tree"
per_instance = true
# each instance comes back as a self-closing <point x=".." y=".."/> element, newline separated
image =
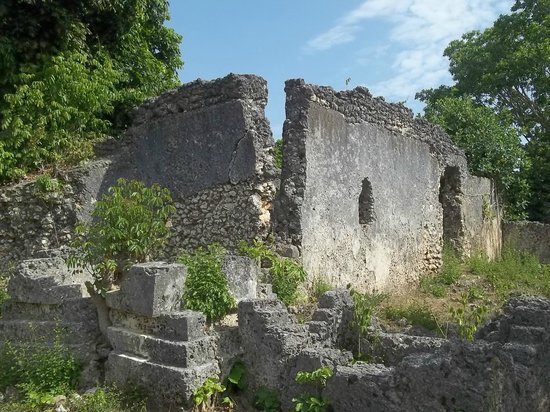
<point x="491" y="145"/>
<point x="71" y="71"/>
<point x="506" y="68"/>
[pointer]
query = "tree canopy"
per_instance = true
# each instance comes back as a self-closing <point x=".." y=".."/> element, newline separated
<point x="506" y="70"/>
<point x="71" y="70"/>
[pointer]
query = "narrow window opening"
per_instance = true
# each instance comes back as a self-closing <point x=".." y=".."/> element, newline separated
<point x="449" y="197"/>
<point x="366" y="203"/>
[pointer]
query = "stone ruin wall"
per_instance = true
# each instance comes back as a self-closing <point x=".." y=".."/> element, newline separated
<point x="208" y="142"/>
<point x="531" y="237"/>
<point x="361" y="190"/>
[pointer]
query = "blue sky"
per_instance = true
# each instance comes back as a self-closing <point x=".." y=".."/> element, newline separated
<point x="393" y="47"/>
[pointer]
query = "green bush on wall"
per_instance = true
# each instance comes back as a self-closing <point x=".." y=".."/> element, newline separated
<point x="130" y="226"/>
<point x="285" y="275"/>
<point x="206" y="288"/>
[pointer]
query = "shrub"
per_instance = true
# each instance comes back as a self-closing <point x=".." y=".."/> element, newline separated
<point x="130" y="225"/>
<point x="40" y="371"/>
<point x="468" y="316"/>
<point x="206" y="396"/>
<point x="206" y="288"/>
<point x="364" y="305"/>
<point x="278" y="153"/>
<point x="284" y="274"/>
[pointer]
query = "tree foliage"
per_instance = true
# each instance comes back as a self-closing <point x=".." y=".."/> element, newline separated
<point x="506" y="69"/>
<point x="491" y="144"/>
<point x="70" y="72"/>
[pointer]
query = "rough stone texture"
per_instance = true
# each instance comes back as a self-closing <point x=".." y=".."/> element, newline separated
<point x="532" y="237"/>
<point x="208" y="142"/>
<point x="505" y="370"/>
<point x="165" y="352"/>
<point x="242" y="275"/>
<point x="49" y="302"/>
<point x="274" y="345"/>
<point x="150" y="289"/>
<point x="360" y="189"/>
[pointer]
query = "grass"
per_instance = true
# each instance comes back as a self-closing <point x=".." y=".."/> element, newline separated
<point x="466" y="291"/>
<point x="101" y="400"/>
<point x="415" y="314"/>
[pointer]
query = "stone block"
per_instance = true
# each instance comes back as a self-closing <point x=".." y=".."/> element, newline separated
<point x="167" y="387"/>
<point x="46" y="280"/>
<point x="184" y="325"/>
<point x="242" y="276"/>
<point x="150" y="289"/>
<point x="167" y="352"/>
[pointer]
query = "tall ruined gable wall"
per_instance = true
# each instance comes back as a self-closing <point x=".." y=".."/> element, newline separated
<point x="360" y="190"/>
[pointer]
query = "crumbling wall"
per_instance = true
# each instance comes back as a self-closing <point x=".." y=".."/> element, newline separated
<point x="207" y="141"/>
<point x="532" y="237"/>
<point x="504" y="369"/>
<point x="361" y="189"/>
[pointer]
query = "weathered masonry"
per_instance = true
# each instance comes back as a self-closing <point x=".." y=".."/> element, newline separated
<point x="367" y="195"/>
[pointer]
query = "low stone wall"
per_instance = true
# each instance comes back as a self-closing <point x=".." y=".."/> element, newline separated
<point x="532" y="237"/>
<point x="505" y="369"/>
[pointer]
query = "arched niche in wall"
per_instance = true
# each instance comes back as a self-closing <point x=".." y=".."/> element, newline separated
<point x="449" y="197"/>
<point x="366" y="203"/>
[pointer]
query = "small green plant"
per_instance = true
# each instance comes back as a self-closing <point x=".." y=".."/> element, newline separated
<point x="317" y="377"/>
<point x="319" y="287"/>
<point x="38" y="369"/>
<point x="237" y="377"/>
<point x="206" y="288"/>
<point x="487" y="211"/>
<point x="45" y="183"/>
<point x="451" y="271"/>
<point x="130" y="225"/>
<point x="310" y="402"/>
<point x="284" y="274"/>
<point x="468" y="316"/>
<point x="364" y="306"/>
<point x="278" y="153"/>
<point x="207" y="395"/>
<point x="267" y="400"/>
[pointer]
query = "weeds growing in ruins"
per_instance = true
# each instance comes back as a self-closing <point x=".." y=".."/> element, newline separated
<point x="207" y="396"/>
<point x="284" y="274"/>
<point x="364" y="306"/>
<point x="38" y="370"/>
<point x="267" y="400"/>
<point x="415" y="315"/>
<point x="513" y="272"/>
<point x="278" y="153"/>
<point x="469" y="315"/>
<point x="130" y="225"/>
<point x="450" y="272"/>
<point x="313" y="402"/>
<point x="3" y="290"/>
<point x="206" y="288"/>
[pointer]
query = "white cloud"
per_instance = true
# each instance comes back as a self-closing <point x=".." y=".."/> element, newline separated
<point x="419" y="32"/>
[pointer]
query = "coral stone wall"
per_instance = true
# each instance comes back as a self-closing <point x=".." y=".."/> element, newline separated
<point x="532" y="237"/>
<point x="208" y="142"/>
<point x="367" y="192"/>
